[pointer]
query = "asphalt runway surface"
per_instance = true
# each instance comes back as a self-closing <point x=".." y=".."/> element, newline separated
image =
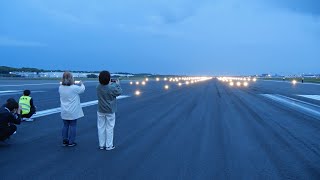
<point x="207" y="130"/>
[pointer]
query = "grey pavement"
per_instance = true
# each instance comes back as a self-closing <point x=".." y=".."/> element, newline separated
<point x="202" y="131"/>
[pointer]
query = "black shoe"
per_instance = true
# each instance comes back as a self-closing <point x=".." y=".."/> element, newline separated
<point x="72" y="144"/>
<point x="65" y="142"/>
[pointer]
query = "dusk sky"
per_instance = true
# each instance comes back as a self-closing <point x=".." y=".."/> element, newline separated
<point x="194" y="37"/>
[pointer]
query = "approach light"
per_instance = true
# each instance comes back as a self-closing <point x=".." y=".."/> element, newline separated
<point x="137" y="92"/>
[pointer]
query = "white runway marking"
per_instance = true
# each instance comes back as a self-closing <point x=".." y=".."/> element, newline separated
<point x="11" y="92"/>
<point x="58" y="110"/>
<point x="56" y="83"/>
<point x="315" y="97"/>
<point x="295" y="104"/>
<point x="17" y="85"/>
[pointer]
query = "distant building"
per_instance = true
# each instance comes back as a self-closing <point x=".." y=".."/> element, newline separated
<point x="26" y="74"/>
<point x="265" y="75"/>
<point x="310" y="76"/>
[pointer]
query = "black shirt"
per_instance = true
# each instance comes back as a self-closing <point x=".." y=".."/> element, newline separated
<point x="7" y="118"/>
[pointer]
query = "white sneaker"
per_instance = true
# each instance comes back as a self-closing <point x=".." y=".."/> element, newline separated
<point x="23" y="119"/>
<point x="110" y="148"/>
<point x="29" y="119"/>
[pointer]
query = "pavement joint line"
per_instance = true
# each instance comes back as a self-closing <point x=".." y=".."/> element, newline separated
<point x="58" y="109"/>
<point x="293" y="103"/>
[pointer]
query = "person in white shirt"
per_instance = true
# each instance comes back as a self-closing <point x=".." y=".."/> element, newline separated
<point x="70" y="107"/>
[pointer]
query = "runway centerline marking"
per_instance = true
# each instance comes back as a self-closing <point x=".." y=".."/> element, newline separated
<point x="58" y="109"/>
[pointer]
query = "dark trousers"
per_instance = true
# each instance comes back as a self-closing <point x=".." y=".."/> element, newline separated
<point x="6" y="132"/>
<point x="32" y="111"/>
<point x="69" y="130"/>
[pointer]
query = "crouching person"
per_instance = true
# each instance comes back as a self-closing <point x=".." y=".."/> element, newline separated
<point x="28" y="108"/>
<point x="9" y="115"/>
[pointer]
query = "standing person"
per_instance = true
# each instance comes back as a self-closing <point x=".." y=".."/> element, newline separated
<point x="107" y="92"/>
<point x="70" y="107"/>
<point x="9" y="115"/>
<point x="28" y="108"/>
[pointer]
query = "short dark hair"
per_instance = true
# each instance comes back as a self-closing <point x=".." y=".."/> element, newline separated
<point x="104" y="77"/>
<point x="26" y="92"/>
<point x="11" y="100"/>
<point x="11" y="105"/>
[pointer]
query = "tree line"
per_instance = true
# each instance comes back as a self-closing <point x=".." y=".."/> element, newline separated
<point x="7" y="70"/>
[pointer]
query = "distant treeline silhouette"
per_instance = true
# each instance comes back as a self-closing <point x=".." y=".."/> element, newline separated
<point x="7" y="70"/>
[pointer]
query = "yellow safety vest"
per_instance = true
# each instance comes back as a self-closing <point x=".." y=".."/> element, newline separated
<point x="24" y="102"/>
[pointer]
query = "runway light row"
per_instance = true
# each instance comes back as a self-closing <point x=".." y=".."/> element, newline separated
<point x="180" y="82"/>
<point x="237" y="81"/>
<point x="189" y="80"/>
<point x="227" y="79"/>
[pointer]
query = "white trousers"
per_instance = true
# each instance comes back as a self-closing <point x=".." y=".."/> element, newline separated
<point x="105" y="124"/>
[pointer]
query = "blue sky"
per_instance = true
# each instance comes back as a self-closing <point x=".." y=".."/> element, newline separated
<point x="168" y="37"/>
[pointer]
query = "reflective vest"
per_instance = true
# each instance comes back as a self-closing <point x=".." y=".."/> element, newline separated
<point x="24" y="102"/>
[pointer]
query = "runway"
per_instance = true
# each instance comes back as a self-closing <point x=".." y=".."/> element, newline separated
<point x="207" y="130"/>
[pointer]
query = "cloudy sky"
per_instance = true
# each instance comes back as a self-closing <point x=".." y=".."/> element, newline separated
<point x="193" y="37"/>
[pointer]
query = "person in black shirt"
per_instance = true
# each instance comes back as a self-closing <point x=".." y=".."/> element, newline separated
<point x="9" y="115"/>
